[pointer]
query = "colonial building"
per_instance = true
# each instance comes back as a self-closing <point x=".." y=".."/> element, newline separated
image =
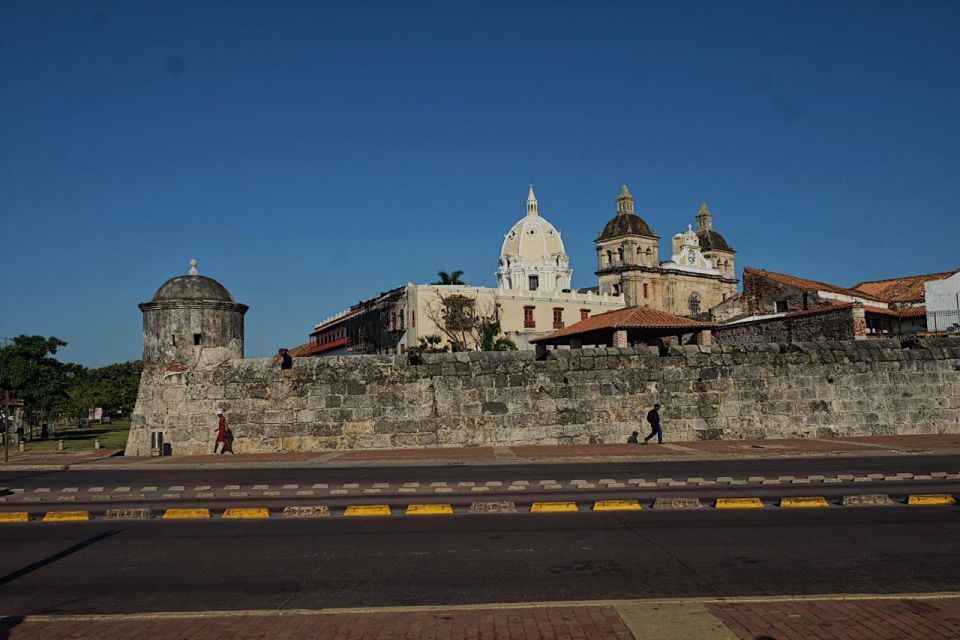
<point x="533" y="297"/>
<point x="700" y="273"/>
<point x="894" y="306"/>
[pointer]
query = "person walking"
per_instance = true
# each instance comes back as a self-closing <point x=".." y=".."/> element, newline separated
<point x="653" y="417"/>
<point x="221" y="432"/>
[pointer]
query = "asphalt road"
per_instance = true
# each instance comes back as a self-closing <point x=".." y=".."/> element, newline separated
<point x="110" y="567"/>
<point x="739" y="468"/>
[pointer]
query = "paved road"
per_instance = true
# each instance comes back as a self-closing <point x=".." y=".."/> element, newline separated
<point x="105" y="567"/>
<point x="740" y="468"/>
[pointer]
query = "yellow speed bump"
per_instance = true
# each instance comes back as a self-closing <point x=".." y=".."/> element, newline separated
<point x="246" y="514"/>
<point x="429" y="509"/>
<point x="186" y="514"/>
<point x="616" y="505"/>
<point x="368" y="510"/>
<point x="553" y="507"/>
<point x="738" y="503"/>
<point x="931" y="499"/>
<point x="66" y="516"/>
<point x="803" y="502"/>
<point x="15" y="516"/>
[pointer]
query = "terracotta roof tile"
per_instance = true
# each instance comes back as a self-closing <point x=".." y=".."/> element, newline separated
<point x="916" y="311"/>
<point x="905" y="289"/>
<point x="629" y="318"/>
<point x="812" y="285"/>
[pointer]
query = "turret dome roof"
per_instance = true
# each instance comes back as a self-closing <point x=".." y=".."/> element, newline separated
<point x="192" y="286"/>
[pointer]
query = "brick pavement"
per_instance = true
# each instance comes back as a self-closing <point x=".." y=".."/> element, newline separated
<point x="919" y="619"/>
<point x="541" y="623"/>
<point x="706" y="450"/>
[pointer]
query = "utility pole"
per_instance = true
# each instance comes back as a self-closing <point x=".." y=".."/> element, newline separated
<point x="6" y="426"/>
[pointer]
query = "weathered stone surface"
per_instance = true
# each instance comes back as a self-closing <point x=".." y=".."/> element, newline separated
<point x="817" y="390"/>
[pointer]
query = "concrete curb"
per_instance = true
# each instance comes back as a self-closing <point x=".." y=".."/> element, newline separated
<point x="686" y="503"/>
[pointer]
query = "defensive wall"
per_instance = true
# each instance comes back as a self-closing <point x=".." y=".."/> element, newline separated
<point x="812" y="389"/>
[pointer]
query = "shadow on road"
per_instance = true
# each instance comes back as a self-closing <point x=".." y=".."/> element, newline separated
<point x="30" y="568"/>
<point x="7" y="623"/>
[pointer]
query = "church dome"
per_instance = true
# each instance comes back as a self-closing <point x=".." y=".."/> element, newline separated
<point x="711" y="240"/>
<point x="192" y="287"/>
<point x="532" y="238"/>
<point x="626" y="222"/>
<point x="629" y="224"/>
<point x="532" y="256"/>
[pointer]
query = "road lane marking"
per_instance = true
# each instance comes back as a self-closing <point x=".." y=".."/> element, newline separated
<point x="931" y="499"/>
<point x="15" y="516"/>
<point x="804" y="502"/>
<point x="246" y="513"/>
<point x="66" y="516"/>
<point x="764" y="599"/>
<point x="553" y="507"/>
<point x="368" y="510"/>
<point x="738" y="503"/>
<point x="617" y="505"/>
<point x="186" y="514"/>
<point x="429" y="509"/>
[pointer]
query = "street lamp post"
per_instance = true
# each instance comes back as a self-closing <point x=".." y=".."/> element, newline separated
<point x="6" y="426"/>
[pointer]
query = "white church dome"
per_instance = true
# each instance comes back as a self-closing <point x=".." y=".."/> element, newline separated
<point x="533" y="247"/>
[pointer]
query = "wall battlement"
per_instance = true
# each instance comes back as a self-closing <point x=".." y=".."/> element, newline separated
<point x="814" y="389"/>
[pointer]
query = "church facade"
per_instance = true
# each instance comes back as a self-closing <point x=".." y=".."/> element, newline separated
<point x="700" y="273"/>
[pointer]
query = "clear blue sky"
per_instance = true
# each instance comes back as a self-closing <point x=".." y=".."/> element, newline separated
<point x="312" y="154"/>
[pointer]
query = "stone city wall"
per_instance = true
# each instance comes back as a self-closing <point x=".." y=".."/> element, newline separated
<point x="841" y="323"/>
<point x="822" y="389"/>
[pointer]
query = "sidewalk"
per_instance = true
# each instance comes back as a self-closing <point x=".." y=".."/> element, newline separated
<point x="784" y="618"/>
<point x="702" y="450"/>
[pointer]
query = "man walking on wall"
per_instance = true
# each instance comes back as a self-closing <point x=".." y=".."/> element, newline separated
<point x="653" y="417"/>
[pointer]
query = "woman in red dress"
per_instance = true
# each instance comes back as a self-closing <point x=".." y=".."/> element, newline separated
<point x="221" y="432"/>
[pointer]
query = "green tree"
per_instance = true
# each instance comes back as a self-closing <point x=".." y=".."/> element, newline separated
<point x="28" y="370"/>
<point x="491" y="338"/>
<point x="429" y="344"/>
<point x="114" y="387"/>
<point x="453" y="277"/>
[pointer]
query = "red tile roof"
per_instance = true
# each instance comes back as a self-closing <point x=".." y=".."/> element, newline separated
<point x="310" y="349"/>
<point x="916" y="311"/>
<point x="629" y="318"/>
<point x="905" y="289"/>
<point x="811" y="285"/>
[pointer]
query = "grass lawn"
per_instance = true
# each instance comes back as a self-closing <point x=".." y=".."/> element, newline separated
<point x="112" y="436"/>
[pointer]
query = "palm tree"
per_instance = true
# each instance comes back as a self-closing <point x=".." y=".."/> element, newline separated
<point x="491" y="340"/>
<point x="450" y="278"/>
<point x="429" y="344"/>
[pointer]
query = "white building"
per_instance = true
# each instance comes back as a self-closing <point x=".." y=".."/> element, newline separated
<point x="942" y="299"/>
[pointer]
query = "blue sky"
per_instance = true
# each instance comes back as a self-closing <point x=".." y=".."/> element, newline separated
<point x="310" y="155"/>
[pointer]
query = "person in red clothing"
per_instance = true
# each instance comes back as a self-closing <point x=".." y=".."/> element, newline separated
<point x="221" y="432"/>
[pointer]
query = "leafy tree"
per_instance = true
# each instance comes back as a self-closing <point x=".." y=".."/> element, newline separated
<point x="429" y="344"/>
<point x="28" y="370"/>
<point x="50" y="388"/>
<point x="491" y="338"/>
<point x="114" y="387"/>
<point x="450" y="278"/>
